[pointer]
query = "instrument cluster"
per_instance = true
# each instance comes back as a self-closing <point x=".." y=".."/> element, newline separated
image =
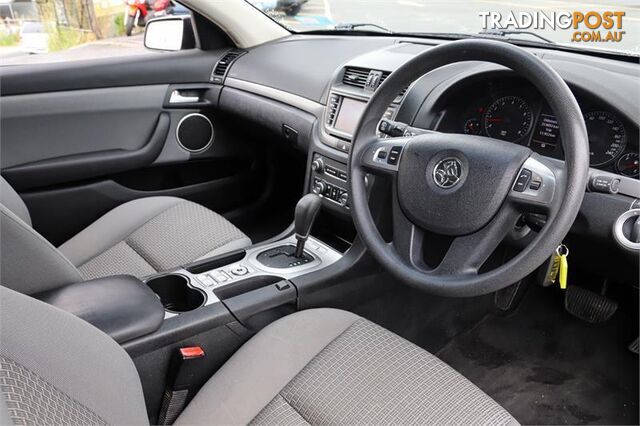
<point x="518" y="114"/>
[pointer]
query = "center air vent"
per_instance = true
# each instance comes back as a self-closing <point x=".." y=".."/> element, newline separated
<point x="384" y="76"/>
<point x="367" y="79"/>
<point x="220" y="70"/>
<point x="356" y="77"/>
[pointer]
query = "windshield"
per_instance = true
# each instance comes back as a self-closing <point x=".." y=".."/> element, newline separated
<point x="604" y="24"/>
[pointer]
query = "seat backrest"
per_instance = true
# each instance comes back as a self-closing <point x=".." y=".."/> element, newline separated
<point x="58" y="369"/>
<point x="11" y="200"/>
<point x="29" y="263"/>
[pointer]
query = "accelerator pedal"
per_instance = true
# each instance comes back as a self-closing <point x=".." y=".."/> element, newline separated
<point x="587" y="305"/>
<point x="634" y="346"/>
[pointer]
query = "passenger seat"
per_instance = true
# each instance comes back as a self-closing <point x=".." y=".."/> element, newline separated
<point x="139" y="238"/>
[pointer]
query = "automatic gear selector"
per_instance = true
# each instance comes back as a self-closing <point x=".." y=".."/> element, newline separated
<point x="306" y="212"/>
<point x="287" y="255"/>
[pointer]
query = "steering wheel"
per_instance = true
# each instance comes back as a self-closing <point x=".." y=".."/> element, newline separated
<point x="470" y="189"/>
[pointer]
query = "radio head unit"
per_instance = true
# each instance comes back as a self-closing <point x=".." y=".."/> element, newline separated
<point x="344" y="111"/>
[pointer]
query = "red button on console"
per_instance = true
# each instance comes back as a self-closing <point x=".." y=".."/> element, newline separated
<point x="192" y="352"/>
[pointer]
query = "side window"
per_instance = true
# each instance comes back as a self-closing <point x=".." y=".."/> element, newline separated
<point x="45" y="31"/>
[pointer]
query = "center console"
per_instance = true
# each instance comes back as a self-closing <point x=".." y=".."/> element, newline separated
<point x="329" y="180"/>
<point x="350" y="91"/>
<point x="210" y="306"/>
<point x="241" y="272"/>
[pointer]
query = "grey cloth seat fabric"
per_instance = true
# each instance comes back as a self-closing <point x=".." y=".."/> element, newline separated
<point x="149" y="235"/>
<point x="138" y="238"/>
<point x="322" y="366"/>
<point x="57" y="369"/>
<point x="326" y="366"/>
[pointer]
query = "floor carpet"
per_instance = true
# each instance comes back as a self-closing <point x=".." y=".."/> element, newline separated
<point x="547" y="367"/>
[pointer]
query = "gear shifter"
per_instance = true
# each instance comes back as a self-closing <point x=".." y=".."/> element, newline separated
<point x="306" y="212"/>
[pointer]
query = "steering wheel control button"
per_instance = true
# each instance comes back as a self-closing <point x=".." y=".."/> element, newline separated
<point x="522" y="182"/>
<point x="604" y="183"/>
<point x="536" y="183"/>
<point x="394" y="155"/>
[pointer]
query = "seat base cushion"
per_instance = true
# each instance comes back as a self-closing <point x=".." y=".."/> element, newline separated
<point x="327" y="366"/>
<point x="149" y="235"/>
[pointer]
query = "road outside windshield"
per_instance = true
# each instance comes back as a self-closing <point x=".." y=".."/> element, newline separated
<point x="605" y="24"/>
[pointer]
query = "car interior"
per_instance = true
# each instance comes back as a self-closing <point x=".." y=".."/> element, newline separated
<point x="267" y="227"/>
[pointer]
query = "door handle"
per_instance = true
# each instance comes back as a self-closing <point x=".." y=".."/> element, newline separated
<point x="178" y="97"/>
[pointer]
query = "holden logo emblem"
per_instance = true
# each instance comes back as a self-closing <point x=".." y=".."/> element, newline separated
<point x="447" y="173"/>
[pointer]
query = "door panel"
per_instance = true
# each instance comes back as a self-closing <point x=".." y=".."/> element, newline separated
<point x="79" y="139"/>
<point x="39" y="127"/>
<point x="189" y="66"/>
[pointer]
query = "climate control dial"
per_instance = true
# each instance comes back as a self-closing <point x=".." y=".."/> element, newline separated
<point x="317" y="165"/>
<point x="319" y="187"/>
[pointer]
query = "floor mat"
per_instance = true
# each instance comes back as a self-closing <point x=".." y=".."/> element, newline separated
<point x="547" y="367"/>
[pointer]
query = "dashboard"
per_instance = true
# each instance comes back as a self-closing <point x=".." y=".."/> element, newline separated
<point x="509" y="108"/>
<point x="312" y="91"/>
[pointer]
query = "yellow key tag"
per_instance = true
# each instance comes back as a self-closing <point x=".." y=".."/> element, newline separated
<point x="563" y="252"/>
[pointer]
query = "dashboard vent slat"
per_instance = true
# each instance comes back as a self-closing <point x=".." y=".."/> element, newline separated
<point x="355" y="77"/>
<point x="332" y="109"/>
<point x="359" y="77"/>
<point x="222" y="66"/>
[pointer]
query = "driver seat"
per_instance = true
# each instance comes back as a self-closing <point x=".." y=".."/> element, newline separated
<point x="320" y="366"/>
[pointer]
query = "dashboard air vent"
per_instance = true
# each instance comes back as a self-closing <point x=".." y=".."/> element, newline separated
<point x="356" y="77"/>
<point x="332" y="109"/>
<point x="368" y="79"/>
<point x="220" y="70"/>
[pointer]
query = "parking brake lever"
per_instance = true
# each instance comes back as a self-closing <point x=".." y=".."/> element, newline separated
<point x="306" y="212"/>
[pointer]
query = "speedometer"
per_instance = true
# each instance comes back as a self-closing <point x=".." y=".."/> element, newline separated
<point x="508" y="118"/>
<point x="607" y="137"/>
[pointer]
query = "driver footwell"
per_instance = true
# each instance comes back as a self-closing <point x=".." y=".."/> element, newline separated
<point x="546" y="367"/>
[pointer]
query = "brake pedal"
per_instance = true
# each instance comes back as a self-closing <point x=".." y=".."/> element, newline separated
<point x="633" y="347"/>
<point x="587" y="305"/>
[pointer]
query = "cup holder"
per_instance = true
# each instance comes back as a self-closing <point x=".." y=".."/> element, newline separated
<point x="175" y="293"/>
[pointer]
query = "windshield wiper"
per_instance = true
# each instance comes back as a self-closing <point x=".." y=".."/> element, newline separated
<point x="353" y="26"/>
<point x="507" y="33"/>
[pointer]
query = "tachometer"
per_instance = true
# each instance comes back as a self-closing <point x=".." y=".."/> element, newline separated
<point x="607" y="138"/>
<point x="508" y="118"/>
<point x="628" y="164"/>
